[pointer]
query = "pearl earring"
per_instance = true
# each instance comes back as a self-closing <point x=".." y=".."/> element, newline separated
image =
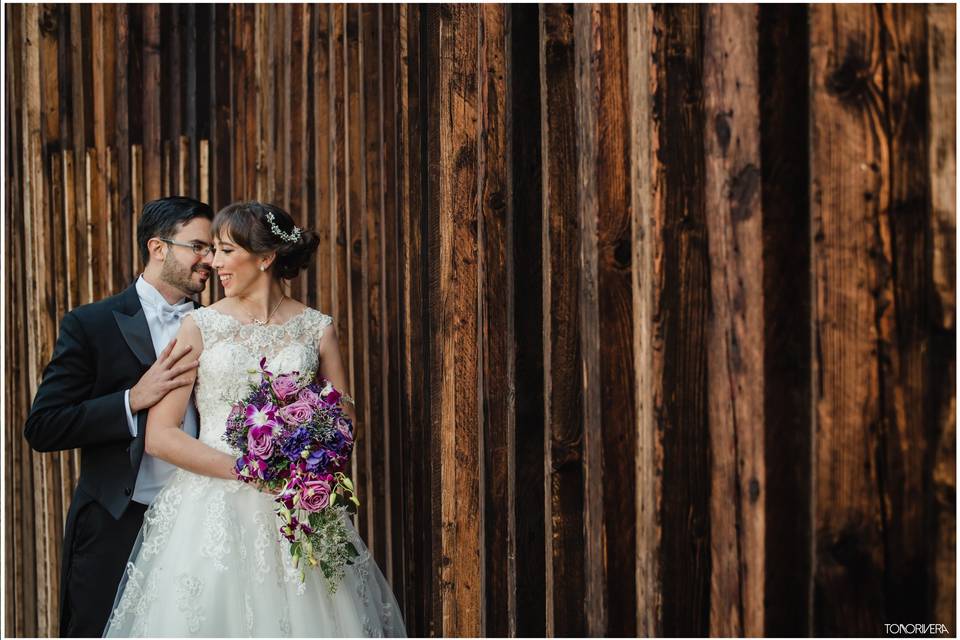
<point x="262" y="268"/>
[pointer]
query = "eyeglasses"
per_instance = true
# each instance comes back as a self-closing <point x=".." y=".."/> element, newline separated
<point x="199" y="248"/>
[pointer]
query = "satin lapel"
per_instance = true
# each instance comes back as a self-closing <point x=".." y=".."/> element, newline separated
<point x="136" y="333"/>
<point x="133" y="327"/>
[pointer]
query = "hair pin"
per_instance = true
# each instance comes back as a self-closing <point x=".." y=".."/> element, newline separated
<point x="293" y="236"/>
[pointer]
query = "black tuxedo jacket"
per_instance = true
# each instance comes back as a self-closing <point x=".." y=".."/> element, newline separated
<point x="103" y="349"/>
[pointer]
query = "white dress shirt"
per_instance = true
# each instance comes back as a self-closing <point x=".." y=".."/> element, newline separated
<point x="164" y="322"/>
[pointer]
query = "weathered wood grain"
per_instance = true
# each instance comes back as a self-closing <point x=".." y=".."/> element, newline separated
<point x="221" y="192"/>
<point x="649" y="443"/>
<point x="390" y="366"/>
<point x="421" y="547"/>
<point x="563" y="402"/>
<point x="121" y="150"/>
<point x="588" y="52"/>
<point x="942" y="163"/>
<point x="355" y="245"/>
<point x="872" y="278"/>
<point x="497" y="333"/>
<point x="300" y="135"/>
<point x="371" y="308"/>
<point x="735" y="368"/>
<point x="152" y="188"/>
<point x="680" y="288"/>
<point x="321" y="155"/>
<point x="579" y="315"/>
<point x="456" y="313"/>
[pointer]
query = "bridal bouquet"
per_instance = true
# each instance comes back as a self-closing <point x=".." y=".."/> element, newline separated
<point x="295" y="440"/>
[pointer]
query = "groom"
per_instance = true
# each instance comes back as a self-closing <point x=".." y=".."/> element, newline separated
<point x="103" y="377"/>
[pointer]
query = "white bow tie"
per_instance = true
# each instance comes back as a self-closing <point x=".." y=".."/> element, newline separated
<point x="173" y="312"/>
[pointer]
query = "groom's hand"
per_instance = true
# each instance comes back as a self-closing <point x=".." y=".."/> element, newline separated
<point x="165" y="375"/>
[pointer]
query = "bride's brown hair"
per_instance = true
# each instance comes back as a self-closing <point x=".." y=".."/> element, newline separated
<point x="249" y="226"/>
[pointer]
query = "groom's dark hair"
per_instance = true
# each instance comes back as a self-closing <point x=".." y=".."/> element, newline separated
<point x="162" y="218"/>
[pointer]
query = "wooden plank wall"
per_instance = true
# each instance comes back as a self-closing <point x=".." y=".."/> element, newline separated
<point x="649" y="309"/>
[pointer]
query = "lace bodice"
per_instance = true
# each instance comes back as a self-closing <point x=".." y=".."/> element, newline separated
<point x="231" y="355"/>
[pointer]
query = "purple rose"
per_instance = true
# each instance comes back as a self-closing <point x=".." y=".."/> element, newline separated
<point x="285" y="386"/>
<point x="260" y="441"/>
<point x="310" y="397"/>
<point x="297" y="413"/>
<point x="315" y="495"/>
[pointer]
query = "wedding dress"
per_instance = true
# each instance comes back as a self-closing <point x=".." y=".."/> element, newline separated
<point x="209" y="560"/>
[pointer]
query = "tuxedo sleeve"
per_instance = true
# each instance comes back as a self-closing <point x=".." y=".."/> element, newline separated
<point x="64" y="416"/>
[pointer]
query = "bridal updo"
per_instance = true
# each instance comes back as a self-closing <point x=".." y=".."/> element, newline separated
<point x="249" y="225"/>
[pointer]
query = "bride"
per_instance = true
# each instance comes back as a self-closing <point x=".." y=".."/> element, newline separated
<point x="209" y="560"/>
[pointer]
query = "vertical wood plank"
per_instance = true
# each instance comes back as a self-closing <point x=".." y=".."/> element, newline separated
<point x="67" y="225"/>
<point x="151" y="103"/>
<point x="496" y="330"/>
<point x="103" y="38"/>
<point x="587" y="50"/>
<point x="370" y="310"/>
<point x="190" y="160"/>
<point x="339" y="308"/>
<point x="297" y="137"/>
<point x="355" y="300"/>
<point x="24" y="570"/>
<point x="606" y="310"/>
<point x="390" y="294"/>
<point x="121" y="145"/>
<point x="416" y="41"/>
<point x="262" y="145"/>
<point x="460" y="415"/>
<point x="616" y="321"/>
<point x="172" y="94"/>
<point x="868" y="214"/>
<point x="80" y="67"/>
<point x="785" y="168"/>
<point x="40" y="307"/>
<point x="222" y="124"/>
<point x="908" y="364"/>
<point x="649" y="443"/>
<point x="522" y="115"/>
<point x="680" y="289"/>
<point x="244" y="105"/>
<point x="564" y="409"/>
<point x="942" y="163"/>
<point x="846" y="500"/>
<point x="735" y="369"/>
<point x="320" y="68"/>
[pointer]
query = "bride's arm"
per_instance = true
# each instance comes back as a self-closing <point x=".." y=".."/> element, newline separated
<point x="331" y="368"/>
<point x="165" y="440"/>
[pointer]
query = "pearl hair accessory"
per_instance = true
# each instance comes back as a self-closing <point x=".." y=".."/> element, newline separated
<point x="293" y="236"/>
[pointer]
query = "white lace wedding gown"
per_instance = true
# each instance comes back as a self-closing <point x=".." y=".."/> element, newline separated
<point x="209" y="560"/>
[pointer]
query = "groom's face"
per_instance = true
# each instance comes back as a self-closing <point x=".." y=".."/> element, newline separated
<point x="184" y="269"/>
